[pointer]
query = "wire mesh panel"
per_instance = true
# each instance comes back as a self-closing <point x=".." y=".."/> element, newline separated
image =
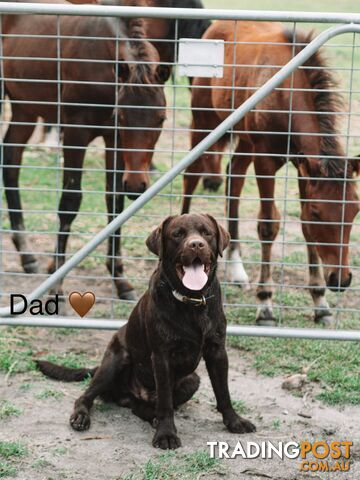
<point x="97" y="85"/>
<point x="291" y="133"/>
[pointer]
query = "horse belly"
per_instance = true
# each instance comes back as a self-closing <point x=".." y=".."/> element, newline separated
<point x="31" y="80"/>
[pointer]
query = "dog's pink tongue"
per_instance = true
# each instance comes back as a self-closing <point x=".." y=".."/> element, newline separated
<point x="195" y="277"/>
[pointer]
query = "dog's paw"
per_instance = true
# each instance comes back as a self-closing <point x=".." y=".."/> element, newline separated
<point x="240" y="425"/>
<point x="80" y="421"/>
<point x="166" y="441"/>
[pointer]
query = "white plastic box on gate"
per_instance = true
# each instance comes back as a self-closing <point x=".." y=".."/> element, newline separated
<point x="201" y="58"/>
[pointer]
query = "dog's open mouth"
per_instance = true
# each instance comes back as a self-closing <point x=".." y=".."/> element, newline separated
<point x="193" y="276"/>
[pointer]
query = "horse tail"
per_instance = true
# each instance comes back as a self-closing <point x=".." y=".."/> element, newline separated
<point x="66" y="374"/>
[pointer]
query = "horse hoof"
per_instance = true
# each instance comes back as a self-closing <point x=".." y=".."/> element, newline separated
<point x="265" y="317"/>
<point x="266" y="322"/>
<point x="31" y="267"/>
<point x="130" y="296"/>
<point x="237" y="272"/>
<point x="326" y="321"/>
<point x="245" y="286"/>
<point x="212" y="184"/>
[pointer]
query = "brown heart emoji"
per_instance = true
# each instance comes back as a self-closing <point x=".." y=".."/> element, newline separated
<point x="82" y="303"/>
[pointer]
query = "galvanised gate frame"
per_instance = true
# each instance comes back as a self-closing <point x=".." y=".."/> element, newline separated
<point x="347" y="23"/>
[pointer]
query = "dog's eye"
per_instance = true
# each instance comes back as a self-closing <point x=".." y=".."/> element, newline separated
<point x="178" y="233"/>
<point x="207" y="233"/>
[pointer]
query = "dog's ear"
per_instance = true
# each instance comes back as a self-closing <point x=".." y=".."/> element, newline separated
<point x="155" y="241"/>
<point x="223" y="237"/>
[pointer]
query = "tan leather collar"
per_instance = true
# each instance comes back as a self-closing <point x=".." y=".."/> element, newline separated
<point x="195" y="302"/>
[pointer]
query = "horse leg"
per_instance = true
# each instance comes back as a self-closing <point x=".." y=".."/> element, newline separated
<point x="190" y="181"/>
<point x="317" y="286"/>
<point x="17" y="135"/>
<point x="212" y="182"/>
<point x="209" y="162"/>
<point x="235" y="179"/>
<point x="268" y="229"/>
<point x="71" y="196"/>
<point x="115" y="205"/>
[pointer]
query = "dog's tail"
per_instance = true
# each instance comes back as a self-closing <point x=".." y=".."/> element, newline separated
<point x="65" y="374"/>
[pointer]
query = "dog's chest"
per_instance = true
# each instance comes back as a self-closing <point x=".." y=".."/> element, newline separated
<point x="184" y="357"/>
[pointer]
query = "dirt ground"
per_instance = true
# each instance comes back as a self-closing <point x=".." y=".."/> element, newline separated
<point x="119" y="443"/>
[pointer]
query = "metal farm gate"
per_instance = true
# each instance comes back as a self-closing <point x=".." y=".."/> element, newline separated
<point x="85" y="270"/>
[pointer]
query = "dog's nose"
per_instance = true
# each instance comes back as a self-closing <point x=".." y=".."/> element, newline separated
<point x="196" y="244"/>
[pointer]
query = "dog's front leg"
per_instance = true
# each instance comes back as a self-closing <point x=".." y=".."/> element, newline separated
<point x="217" y="365"/>
<point x="165" y="436"/>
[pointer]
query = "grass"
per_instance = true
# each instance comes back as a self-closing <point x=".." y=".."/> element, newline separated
<point x="7" y="470"/>
<point x="70" y="359"/>
<point x="335" y="366"/>
<point x="7" y="409"/>
<point x="24" y="387"/>
<point x="174" y="466"/>
<point x="10" y="452"/>
<point x="276" y="424"/>
<point x="60" y="451"/>
<point x="104" y="407"/>
<point x="12" y="449"/>
<point x="240" y="407"/>
<point x="86" y="382"/>
<point x="40" y="464"/>
<point x="65" y="332"/>
<point x="48" y="393"/>
<point x="16" y="350"/>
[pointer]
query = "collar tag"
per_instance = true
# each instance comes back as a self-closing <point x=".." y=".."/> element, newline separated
<point x="196" y="302"/>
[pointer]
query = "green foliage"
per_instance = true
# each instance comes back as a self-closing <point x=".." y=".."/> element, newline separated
<point x="7" y="410"/>
<point x="9" y="452"/>
<point x="15" y="351"/>
<point x="174" y="466"/>
<point x="12" y="449"/>
<point x="48" y="393"/>
<point x="240" y="407"/>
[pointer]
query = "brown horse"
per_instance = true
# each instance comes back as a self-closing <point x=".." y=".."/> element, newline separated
<point x="325" y="174"/>
<point x="129" y="67"/>
<point x="79" y="137"/>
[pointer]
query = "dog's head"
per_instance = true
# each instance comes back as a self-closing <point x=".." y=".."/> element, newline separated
<point x="188" y="247"/>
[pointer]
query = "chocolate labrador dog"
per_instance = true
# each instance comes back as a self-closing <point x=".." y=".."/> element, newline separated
<point x="150" y="363"/>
